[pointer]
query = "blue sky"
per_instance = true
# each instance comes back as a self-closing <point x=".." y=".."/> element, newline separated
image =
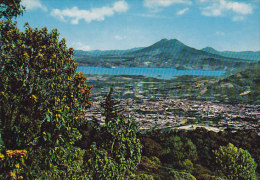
<point x="123" y="24"/>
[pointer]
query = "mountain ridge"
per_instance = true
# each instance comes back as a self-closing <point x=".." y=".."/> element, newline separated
<point x="164" y="53"/>
<point x="250" y="55"/>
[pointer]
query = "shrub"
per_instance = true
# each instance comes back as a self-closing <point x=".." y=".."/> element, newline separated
<point x="235" y="163"/>
<point x="149" y="165"/>
<point x="186" y="165"/>
<point x="181" y="175"/>
<point x="177" y="150"/>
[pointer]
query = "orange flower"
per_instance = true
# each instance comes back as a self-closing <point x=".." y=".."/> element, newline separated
<point x="25" y="54"/>
<point x="16" y="153"/>
<point x="17" y="166"/>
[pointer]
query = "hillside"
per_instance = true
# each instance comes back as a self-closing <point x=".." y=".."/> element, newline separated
<point x="249" y="55"/>
<point x="164" y="53"/>
<point x="243" y="86"/>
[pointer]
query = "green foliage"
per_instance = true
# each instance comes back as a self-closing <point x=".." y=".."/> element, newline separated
<point x="150" y="165"/>
<point x="101" y="166"/>
<point x="58" y="163"/>
<point x="151" y="147"/>
<point x="111" y="107"/>
<point x="178" y="150"/>
<point x="235" y="163"/>
<point x="142" y="177"/>
<point x="120" y="151"/>
<point x="181" y="175"/>
<point x="10" y="8"/>
<point x="40" y="89"/>
<point x="186" y="165"/>
<point x="42" y="99"/>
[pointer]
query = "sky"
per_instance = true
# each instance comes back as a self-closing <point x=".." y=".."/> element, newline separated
<point x="232" y="25"/>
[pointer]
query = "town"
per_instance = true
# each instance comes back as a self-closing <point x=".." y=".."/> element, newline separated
<point x="186" y="114"/>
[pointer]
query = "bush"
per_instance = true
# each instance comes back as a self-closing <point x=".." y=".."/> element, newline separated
<point x="234" y="163"/>
<point x="150" y="165"/>
<point x="186" y="165"/>
<point x="177" y="150"/>
<point x="175" y="175"/>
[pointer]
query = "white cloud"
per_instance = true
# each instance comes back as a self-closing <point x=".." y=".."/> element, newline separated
<point x="183" y="11"/>
<point x="80" y="46"/>
<point x="118" y="37"/>
<point x="95" y="14"/>
<point x="120" y="6"/>
<point x="153" y="4"/>
<point x="33" y="4"/>
<point x="220" y="7"/>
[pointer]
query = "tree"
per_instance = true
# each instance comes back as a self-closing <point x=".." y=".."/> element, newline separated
<point x="42" y="98"/>
<point x="10" y="8"/>
<point x="111" y="107"/>
<point x="120" y="153"/>
<point x="39" y="86"/>
<point x="235" y="163"/>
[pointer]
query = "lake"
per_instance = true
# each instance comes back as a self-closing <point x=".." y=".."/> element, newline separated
<point x="160" y="73"/>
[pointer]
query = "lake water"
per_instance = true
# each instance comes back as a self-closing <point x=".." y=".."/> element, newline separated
<point x="160" y="73"/>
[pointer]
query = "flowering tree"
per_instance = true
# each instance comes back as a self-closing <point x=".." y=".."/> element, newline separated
<point x="42" y="97"/>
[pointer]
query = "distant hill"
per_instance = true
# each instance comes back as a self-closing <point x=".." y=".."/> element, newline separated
<point x="164" y="53"/>
<point x="249" y="55"/>
<point x="242" y="86"/>
<point x="106" y="52"/>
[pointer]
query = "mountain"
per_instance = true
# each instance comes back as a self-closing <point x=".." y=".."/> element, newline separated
<point x="250" y="55"/>
<point x="164" y="53"/>
<point x="106" y="52"/>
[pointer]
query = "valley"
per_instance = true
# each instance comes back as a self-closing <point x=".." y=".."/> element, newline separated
<point x="157" y="101"/>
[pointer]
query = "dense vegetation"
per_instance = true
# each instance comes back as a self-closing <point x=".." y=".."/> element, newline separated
<point x="44" y="135"/>
<point x="43" y="101"/>
<point x="204" y="154"/>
